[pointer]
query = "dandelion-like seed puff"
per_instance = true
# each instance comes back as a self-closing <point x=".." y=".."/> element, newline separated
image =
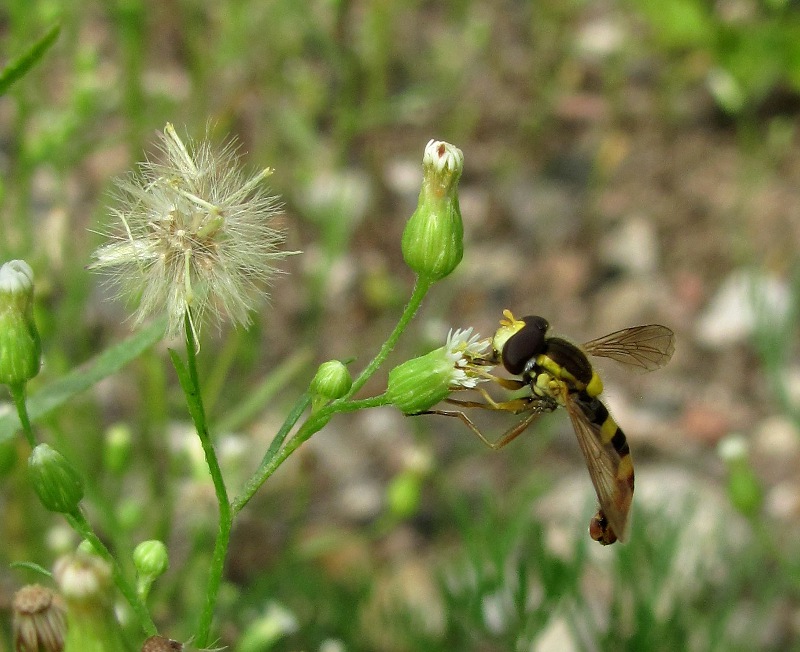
<point x="195" y="235"/>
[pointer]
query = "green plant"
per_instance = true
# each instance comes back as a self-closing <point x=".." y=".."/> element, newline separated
<point x="195" y="237"/>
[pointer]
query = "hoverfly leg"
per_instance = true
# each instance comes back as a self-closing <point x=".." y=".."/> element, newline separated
<point x="509" y="435"/>
<point x="464" y="418"/>
<point x="515" y="406"/>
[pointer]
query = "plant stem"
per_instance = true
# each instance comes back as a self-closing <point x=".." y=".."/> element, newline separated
<point x="421" y="288"/>
<point x="191" y="386"/>
<point x="18" y="394"/>
<point x="255" y="481"/>
<point x="79" y="523"/>
<point x="275" y="457"/>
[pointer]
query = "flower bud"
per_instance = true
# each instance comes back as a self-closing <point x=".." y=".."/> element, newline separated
<point x="420" y="383"/>
<point x="117" y="448"/>
<point x="404" y="493"/>
<point x="85" y="580"/>
<point x="39" y="621"/>
<point x="433" y="240"/>
<point x="744" y="488"/>
<point x="20" y="346"/>
<point x="151" y="561"/>
<point x="331" y="381"/>
<point x="55" y="480"/>
<point x="150" y="558"/>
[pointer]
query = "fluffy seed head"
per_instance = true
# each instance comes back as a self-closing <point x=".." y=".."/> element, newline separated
<point x="194" y="234"/>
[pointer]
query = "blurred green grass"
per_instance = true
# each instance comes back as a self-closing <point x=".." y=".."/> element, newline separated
<point x="323" y="88"/>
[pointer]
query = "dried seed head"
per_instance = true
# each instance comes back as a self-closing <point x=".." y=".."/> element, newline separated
<point x="194" y="234"/>
<point x="39" y="621"/>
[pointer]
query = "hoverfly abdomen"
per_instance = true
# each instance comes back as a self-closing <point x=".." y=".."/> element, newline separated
<point x="600" y="529"/>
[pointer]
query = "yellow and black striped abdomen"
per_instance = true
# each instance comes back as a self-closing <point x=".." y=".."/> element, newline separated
<point x="608" y="430"/>
<point x="610" y="465"/>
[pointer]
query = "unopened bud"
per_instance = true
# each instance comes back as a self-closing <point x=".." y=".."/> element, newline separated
<point x="151" y="561"/>
<point x="55" y="480"/>
<point x="331" y="381"/>
<point x="433" y="240"/>
<point x="86" y="582"/>
<point x="117" y="448"/>
<point x="20" y="346"/>
<point x="744" y="487"/>
<point x="404" y="493"/>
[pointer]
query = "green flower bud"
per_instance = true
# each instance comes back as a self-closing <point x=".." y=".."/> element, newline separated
<point x="433" y="240"/>
<point x="151" y="561"/>
<point x="20" y="346"/>
<point x="117" y="448"/>
<point x="331" y="381"/>
<point x="744" y="488"/>
<point x="404" y="494"/>
<point x="55" y="480"/>
<point x="150" y="558"/>
<point x="420" y="383"/>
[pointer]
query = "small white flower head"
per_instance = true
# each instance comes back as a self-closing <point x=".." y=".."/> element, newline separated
<point x="20" y="345"/>
<point x="467" y="351"/>
<point x="194" y="234"/>
<point x="420" y="383"/>
<point x="16" y="277"/>
<point x="443" y="157"/>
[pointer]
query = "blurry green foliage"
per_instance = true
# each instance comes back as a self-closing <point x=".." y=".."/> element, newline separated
<point x="751" y="49"/>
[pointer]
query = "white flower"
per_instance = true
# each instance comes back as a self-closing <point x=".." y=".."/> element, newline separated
<point x="466" y="351"/>
<point x="194" y="233"/>
<point x="443" y="156"/>
<point x="16" y="277"/>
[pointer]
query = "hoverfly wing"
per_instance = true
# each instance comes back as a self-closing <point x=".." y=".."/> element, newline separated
<point x="608" y="459"/>
<point x="647" y="347"/>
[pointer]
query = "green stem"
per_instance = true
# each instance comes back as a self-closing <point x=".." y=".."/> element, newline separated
<point x="18" y="394"/>
<point x="421" y="288"/>
<point x="255" y="481"/>
<point x="79" y="523"/>
<point x="191" y="386"/>
<point x="276" y="456"/>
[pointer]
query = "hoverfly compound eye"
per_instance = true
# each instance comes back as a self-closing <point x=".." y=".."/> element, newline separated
<point x="525" y="344"/>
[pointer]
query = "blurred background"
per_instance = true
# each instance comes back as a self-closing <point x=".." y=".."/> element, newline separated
<point x="626" y="162"/>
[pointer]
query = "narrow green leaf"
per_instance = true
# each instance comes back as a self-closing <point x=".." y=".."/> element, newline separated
<point x="82" y="378"/>
<point x="31" y="566"/>
<point x="23" y="63"/>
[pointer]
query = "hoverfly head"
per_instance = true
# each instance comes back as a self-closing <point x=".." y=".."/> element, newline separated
<point x="519" y="340"/>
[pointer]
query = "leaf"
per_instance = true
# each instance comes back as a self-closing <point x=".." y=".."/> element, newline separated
<point x="59" y="391"/>
<point x="23" y="63"/>
<point x="31" y="566"/>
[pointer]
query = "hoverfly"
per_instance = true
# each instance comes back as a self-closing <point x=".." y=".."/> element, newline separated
<point x="559" y="373"/>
